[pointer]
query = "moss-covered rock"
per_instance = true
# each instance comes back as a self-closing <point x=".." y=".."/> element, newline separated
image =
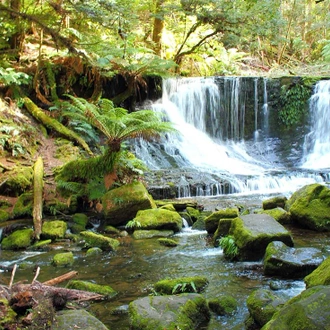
<point x="167" y="242"/>
<point x="193" y="212"/>
<point x="143" y="234"/>
<point x="53" y="229"/>
<point x="212" y="221"/>
<point x="310" y="207"/>
<point x="77" y="319"/>
<point x="23" y="206"/>
<point x="224" y="305"/>
<point x="97" y="240"/>
<point x="309" y="310"/>
<point x="181" y="285"/>
<point x="111" y="230"/>
<point x="253" y="232"/>
<point x="289" y="262"/>
<point x="169" y="207"/>
<point x="40" y="245"/>
<point x="80" y="219"/>
<point x="185" y="312"/>
<point x="93" y="251"/>
<point x="262" y="305"/>
<point x="320" y="276"/>
<point x="159" y="219"/>
<point x="222" y="230"/>
<point x="104" y="290"/>
<point x="274" y="202"/>
<point x="121" y="205"/>
<point x="19" y="239"/>
<point x="54" y="206"/>
<point x="199" y="224"/>
<point x="279" y="214"/>
<point x="63" y="259"/>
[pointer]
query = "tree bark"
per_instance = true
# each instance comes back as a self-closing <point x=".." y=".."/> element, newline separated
<point x="158" y="27"/>
<point x="38" y="184"/>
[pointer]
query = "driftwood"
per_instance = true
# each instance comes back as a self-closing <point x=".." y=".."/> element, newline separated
<point x="38" y="183"/>
<point x="61" y="278"/>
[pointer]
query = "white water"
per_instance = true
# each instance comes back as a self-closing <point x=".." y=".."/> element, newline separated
<point x="198" y="110"/>
<point x="317" y="142"/>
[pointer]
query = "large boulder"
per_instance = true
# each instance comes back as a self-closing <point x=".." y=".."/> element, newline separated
<point x="185" y="312"/>
<point x="121" y="205"/>
<point x="55" y="229"/>
<point x="212" y="221"/>
<point x="289" y="262"/>
<point x="320" y="276"/>
<point x="310" y="207"/>
<point x="19" y="239"/>
<point x="253" y="232"/>
<point x="77" y="319"/>
<point x="159" y="219"/>
<point x="309" y="310"/>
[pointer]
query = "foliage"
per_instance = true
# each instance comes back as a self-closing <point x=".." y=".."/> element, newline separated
<point x="133" y="224"/>
<point x="326" y="51"/>
<point x="293" y="99"/>
<point x="8" y="77"/>
<point x="230" y="249"/>
<point x="184" y="287"/>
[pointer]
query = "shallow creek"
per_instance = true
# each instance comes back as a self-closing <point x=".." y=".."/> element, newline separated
<point x="137" y="264"/>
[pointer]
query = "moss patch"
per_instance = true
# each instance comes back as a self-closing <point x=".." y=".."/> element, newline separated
<point x="101" y="241"/>
<point x="320" y="276"/>
<point x="19" y="239"/>
<point x="92" y="287"/>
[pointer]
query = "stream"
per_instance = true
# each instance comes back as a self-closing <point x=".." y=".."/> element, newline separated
<point x="138" y="264"/>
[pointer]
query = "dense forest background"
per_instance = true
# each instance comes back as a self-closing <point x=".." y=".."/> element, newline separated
<point x="137" y="37"/>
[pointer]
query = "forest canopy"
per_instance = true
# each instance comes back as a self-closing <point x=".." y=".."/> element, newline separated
<point x="187" y="37"/>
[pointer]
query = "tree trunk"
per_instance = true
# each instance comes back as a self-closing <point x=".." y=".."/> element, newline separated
<point x="54" y="124"/>
<point x="38" y="183"/>
<point x="158" y="27"/>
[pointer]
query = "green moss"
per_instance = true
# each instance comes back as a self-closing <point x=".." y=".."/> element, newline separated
<point x="92" y="287"/>
<point x="279" y="214"/>
<point x="101" y="241"/>
<point x="194" y="213"/>
<point x="182" y="284"/>
<point x="169" y="207"/>
<point x="63" y="259"/>
<point x="274" y="202"/>
<point x="41" y="244"/>
<point x="93" y="251"/>
<point x="111" y="230"/>
<point x="320" y="276"/>
<point x="7" y="315"/>
<point x="19" y="239"/>
<point x="24" y="206"/>
<point x="4" y="215"/>
<point x="80" y="219"/>
<point x="224" y="305"/>
<point x="212" y="221"/>
<point x="19" y="181"/>
<point x="167" y="242"/>
<point x="53" y="229"/>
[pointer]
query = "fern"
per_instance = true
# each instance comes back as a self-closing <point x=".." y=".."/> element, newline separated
<point x="326" y="51"/>
<point x="229" y="247"/>
<point x="10" y="77"/>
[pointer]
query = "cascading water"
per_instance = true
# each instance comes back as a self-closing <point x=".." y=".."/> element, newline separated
<point x="317" y="142"/>
<point x="214" y="153"/>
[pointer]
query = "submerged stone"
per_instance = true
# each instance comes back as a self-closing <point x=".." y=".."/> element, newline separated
<point x="289" y="262"/>
<point x="185" y="312"/>
<point x="253" y="232"/>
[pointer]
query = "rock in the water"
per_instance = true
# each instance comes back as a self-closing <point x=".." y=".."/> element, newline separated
<point x="289" y="262"/>
<point x="253" y="232"/>
<point x="185" y="312"/>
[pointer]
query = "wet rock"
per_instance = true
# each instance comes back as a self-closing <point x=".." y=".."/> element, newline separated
<point x="309" y="310"/>
<point x="77" y="319"/>
<point x="212" y="221"/>
<point x="274" y="202"/>
<point x="253" y="232"/>
<point x="262" y="305"/>
<point x="159" y="219"/>
<point x="53" y="229"/>
<point x="19" y="239"/>
<point x="224" y="305"/>
<point x="167" y="242"/>
<point x="121" y="205"/>
<point x="143" y="234"/>
<point x="320" y="276"/>
<point x="97" y="240"/>
<point x="185" y="312"/>
<point x="289" y="262"/>
<point x="279" y="214"/>
<point x="310" y="207"/>
<point x="63" y="259"/>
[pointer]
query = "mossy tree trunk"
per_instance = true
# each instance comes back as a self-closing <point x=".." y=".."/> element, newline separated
<point x="49" y="122"/>
<point x="38" y="184"/>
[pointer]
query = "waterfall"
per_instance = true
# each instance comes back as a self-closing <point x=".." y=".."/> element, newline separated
<point x="317" y="141"/>
<point x="215" y="152"/>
